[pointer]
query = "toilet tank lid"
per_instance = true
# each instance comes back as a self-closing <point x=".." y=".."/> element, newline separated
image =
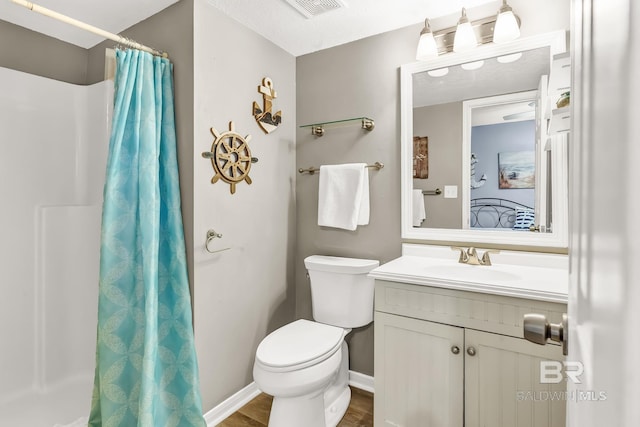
<point x="340" y="264"/>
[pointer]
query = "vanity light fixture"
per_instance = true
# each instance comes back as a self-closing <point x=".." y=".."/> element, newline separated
<point x="500" y="28"/>
<point x="507" y="25"/>
<point x="465" y="38"/>
<point x="427" y="48"/>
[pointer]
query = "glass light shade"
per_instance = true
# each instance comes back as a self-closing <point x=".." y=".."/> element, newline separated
<point x="427" y="48"/>
<point x="469" y="66"/>
<point x="465" y="38"/>
<point x="440" y="72"/>
<point x="506" y="28"/>
<point x="505" y="59"/>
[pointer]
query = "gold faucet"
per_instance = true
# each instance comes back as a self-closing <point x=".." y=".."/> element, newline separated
<point x="470" y="256"/>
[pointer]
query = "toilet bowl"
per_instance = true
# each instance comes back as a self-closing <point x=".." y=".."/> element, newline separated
<point x="296" y="364"/>
<point x="304" y="365"/>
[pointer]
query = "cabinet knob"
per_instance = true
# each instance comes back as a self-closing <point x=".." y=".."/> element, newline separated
<point x="471" y="351"/>
<point x="455" y="349"/>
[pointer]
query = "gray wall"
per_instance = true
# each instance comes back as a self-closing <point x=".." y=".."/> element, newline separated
<point x="352" y="80"/>
<point x="34" y="53"/>
<point x="246" y="292"/>
<point x="443" y="125"/>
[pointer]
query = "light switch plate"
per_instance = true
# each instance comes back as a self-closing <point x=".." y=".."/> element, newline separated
<point x="450" y="191"/>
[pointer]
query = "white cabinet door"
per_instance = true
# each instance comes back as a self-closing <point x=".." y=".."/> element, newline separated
<point x="502" y="383"/>
<point x="418" y="376"/>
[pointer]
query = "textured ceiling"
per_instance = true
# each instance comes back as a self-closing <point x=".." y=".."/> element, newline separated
<point x="275" y="20"/>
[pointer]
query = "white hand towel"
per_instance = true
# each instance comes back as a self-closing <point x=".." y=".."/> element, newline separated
<point x="419" y="212"/>
<point x="343" y="196"/>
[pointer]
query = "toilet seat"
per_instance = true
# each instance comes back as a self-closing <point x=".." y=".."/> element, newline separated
<point x="298" y="345"/>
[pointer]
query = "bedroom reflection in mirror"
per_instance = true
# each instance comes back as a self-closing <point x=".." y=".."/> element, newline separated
<point x="503" y="155"/>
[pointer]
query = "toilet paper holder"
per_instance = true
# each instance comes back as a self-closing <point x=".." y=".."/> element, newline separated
<point x="212" y="234"/>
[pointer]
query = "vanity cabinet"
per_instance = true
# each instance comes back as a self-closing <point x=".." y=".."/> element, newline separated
<point x="450" y="358"/>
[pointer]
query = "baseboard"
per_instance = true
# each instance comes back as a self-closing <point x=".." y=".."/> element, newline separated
<point x="218" y="414"/>
<point x="361" y="381"/>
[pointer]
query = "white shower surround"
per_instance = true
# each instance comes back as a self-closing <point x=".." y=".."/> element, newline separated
<point x="54" y="140"/>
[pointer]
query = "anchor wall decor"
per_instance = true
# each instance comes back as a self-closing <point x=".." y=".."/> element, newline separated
<point x="264" y="116"/>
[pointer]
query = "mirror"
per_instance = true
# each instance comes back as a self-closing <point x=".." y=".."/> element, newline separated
<point x="475" y="127"/>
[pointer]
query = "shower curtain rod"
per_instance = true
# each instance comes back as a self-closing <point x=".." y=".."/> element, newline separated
<point x="116" y="38"/>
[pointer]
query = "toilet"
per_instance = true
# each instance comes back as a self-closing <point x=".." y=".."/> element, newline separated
<point x="304" y="365"/>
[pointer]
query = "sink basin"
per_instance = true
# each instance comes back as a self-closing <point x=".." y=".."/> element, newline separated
<point x="471" y="273"/>
<point x="531" y="275"/>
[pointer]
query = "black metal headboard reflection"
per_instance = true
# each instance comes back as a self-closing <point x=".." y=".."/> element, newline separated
<point x="493" y="213"/>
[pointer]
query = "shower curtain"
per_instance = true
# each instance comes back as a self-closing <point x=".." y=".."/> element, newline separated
<point x="146" y="369"/>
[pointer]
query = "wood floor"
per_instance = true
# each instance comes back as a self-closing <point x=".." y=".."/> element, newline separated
<point x="256" y="412"/>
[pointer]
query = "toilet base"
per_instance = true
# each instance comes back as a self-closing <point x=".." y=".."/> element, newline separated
<point x="287" y="412"/>
<point x="334" y="412"/>
<point x="338" y="395"/>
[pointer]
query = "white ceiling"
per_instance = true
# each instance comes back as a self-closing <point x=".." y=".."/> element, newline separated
<point x="273" y="19"/>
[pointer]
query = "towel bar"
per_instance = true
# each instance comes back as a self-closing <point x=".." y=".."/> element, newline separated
<point x="312" y="170"/>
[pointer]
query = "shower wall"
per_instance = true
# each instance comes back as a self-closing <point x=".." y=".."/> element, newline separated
<point x="54" y="141"/>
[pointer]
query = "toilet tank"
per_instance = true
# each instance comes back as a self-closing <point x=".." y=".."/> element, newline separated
<point x="341" y="292"/>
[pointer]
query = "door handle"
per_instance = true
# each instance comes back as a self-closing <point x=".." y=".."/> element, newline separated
<point x="538" y="330"/>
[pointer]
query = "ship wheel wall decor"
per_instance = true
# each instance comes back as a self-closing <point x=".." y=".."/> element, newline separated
<point x="230" y="157"/>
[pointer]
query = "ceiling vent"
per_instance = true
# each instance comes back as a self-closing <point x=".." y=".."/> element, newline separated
<point x="311" y="8"/>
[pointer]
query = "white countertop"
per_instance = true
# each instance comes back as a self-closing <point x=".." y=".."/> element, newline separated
<point x="530" y="275"/>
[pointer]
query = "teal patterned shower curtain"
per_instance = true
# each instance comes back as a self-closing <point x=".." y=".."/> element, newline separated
<point x="146" y="369"/>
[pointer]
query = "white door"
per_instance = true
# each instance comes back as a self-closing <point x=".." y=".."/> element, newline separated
<point x="604" y="300"/>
